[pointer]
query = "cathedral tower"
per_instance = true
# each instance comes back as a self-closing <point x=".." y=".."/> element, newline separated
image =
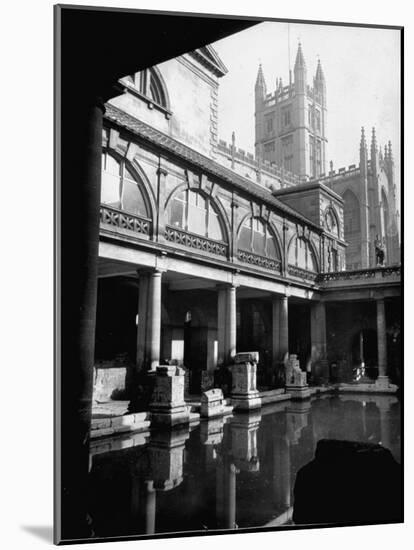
<point x="291" y="121"/>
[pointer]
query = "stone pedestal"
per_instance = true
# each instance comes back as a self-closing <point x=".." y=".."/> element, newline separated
<point x="296" y="384"/>
<point x="244" y="394"/>
<point x="243" y="430"/>
<point x="167" y="405"/>
<point x="166" y="457"/>
<point x="212" y="403"/>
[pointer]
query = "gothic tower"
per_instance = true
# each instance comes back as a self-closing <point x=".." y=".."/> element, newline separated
<point x="291" y="121"/>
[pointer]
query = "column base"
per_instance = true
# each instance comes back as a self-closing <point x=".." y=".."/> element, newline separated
<point x="299" y="392"/>
<point x="246" y="402"/>
<point x="168" y="418"/>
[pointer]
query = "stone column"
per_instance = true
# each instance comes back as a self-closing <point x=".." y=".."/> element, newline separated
<point x="280" y="328"/>
<point x="318" y="342"/>
<point x="231" y="497"/>
<point x="231" y="323"/>
<point x="150" y="507"/>
<point x="227" y="323"/>
<point x="154" y="336"/>
<point x="149" y="320"/>
<point x="77" y="206"/>
<point x="381" y="338"/>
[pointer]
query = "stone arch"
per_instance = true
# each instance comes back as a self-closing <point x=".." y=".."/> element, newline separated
<point x="302" y="260"/>
<point x="216" y="206"/>
<point x="138" y="175"/>
<point x="269" y="227"/>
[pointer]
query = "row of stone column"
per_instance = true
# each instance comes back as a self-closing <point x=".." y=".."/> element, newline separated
<point x="149" y="326"/>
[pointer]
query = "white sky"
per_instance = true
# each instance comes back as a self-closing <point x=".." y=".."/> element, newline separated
<point x="362" y="72"/>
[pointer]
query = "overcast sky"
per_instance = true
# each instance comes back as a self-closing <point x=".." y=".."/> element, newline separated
<point x="362" y="72"/>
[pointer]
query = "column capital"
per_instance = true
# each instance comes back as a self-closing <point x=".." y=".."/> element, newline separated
<point x="226" y="286"/>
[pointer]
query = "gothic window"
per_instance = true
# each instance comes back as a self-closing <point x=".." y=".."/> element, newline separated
<point x="269" y="123"/>
<point x="312" y="154"/>
<point x="318" y="120"/>
<point x="193" y="212"/>
<point x="120" y="188"/>
<point x="301" y="255"/>
<point x="149" y="84"/>
<point x="286" y="117"/>
<point x="331" y="222"/>
<point x="352" y="216"/>
<point x="287" y="152"/>
<point x="318" y="157"/>
<point x="256" y="236"/>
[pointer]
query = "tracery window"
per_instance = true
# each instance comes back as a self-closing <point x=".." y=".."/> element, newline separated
<point x="149" y="84"/>
<point x="193" y="212"/>
<point x="301" y="255"/>
<point x="256" y="236"/>
<point x="120" y="188"/>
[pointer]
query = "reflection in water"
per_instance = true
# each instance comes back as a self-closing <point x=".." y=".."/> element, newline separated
<point x="227" y="473"/>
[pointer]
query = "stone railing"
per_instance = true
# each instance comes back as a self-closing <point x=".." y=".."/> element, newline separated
<point x="123" y="220"/>
<point x="259" y="261"/>
<point x="302" y="273"/>
<point x="183" y="238"/>
<point x="358" y="274"/>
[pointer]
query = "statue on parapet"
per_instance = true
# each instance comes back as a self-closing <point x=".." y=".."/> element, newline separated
<point x="379" y="250"/>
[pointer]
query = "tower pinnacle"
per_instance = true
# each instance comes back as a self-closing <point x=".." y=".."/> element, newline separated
<point x="300" y="60"/>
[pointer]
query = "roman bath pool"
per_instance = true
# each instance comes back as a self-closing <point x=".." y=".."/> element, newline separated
<point x="227" y="473"/>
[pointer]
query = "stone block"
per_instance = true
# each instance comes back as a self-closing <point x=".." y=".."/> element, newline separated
<point x="212" y="403"/>
<point x="167" y="405"/>
<point x="244" y="394"/>
<point x="247" y="357"/>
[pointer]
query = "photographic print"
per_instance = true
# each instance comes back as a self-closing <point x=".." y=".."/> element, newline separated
<point x="228" y="274"/>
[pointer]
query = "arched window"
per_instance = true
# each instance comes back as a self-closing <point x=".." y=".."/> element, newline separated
<point x="120" y="189"/>
<point x="301" y="255"/>
<point x="331" y="221"/>
<point x="149" y="84"/>
<point x="193" y="212"/>
<point x="256" y="236"/>
<point x="352" y="215"/>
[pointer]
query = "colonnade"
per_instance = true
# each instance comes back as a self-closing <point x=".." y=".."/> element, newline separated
<point x="149" y="327"/>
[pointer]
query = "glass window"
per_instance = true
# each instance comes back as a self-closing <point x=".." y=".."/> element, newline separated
<point x="192" y="212"/>
<point x="177" y="211"/>
<point x="119" y="188"/>
<point x="214" y="228"/>
<point x="301" y="255"/>
<point x="259" y="237"/>
<point x="255" y="235"/>
<point x="197" y="214"/>
<point x="245" y="236"/>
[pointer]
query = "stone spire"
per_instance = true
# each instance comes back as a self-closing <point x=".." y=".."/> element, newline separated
<point x="260" y="86"/>
<point x="374" y="147"/>
<point x="300" y="60"/>
<point x="319" y="72"/>
<point x="363" y="143"/>
<point x="363" y="154"/>
<point x="300" y="72"/>
<point x="390" y="158"/>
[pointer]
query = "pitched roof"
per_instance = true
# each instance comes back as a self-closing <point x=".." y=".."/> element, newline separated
<point x="171" y="145"/>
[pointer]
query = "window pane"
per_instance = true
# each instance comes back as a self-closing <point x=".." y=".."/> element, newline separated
<point x="177" y="212"/>
<point x="110" y="189"/>
<point x="292" y="252"/>
<point x="245" y="237"/>
<point x="132" y="198"/>
<point x="301" y="254"/>
<point x="259" y="240"/>
<point x="311" y="264"/>
<point x="197" y="220"/>
<point x="214" y="228"/>
<point x="112" y="166"/>
<point x="271" y="247"/>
